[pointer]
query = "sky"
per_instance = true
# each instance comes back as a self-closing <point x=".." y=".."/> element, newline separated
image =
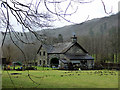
<point x="84" y="11"/>
<point x="92" y="10"/>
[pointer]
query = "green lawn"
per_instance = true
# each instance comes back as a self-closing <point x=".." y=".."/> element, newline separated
<point x="61" y="79"/>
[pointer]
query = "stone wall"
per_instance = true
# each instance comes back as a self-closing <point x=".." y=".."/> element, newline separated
<point x="42" y="57"/>
<point x="53" y="56"/>
<point x="75" y="50"/>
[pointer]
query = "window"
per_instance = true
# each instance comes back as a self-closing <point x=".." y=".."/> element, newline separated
<point x="44" y="62"/>
<point x="44" y="53"/>
<point x="47" y="61"/>
<point x="40" y="62"/>
<point x="40" y="53"/>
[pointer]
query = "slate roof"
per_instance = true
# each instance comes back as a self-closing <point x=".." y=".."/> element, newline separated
<point x="64" y="61"/>
<point x="76" y="58"/>
<point x="46" y="47"/>
<point x="59" y="47"/>
<point x="80" y="57"/>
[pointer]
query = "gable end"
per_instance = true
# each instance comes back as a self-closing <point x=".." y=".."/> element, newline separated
<point x="77" y="44"/>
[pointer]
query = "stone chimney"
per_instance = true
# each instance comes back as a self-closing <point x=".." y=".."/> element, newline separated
<point x="74" y="39"/>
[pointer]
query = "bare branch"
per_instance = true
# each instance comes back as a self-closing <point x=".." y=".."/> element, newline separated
<point x="105" y="8"/>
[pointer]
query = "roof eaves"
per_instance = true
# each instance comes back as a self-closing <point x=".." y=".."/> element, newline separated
<point x="54" y="53"/>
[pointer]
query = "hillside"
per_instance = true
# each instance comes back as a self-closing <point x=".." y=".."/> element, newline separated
<point x="83" y="28"/>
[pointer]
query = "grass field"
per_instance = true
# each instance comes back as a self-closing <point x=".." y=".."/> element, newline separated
<point x="61" y="79"/>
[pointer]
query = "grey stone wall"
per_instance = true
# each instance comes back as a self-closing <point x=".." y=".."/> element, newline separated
<point x="42" y="57"/>
<point x="59" y="56"/>
<point x="75" y="50"/>
<point x="53" y="56"/>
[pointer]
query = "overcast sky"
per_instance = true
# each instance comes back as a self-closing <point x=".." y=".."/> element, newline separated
<point x="87" y="11"/>
<point x="91" y="11"/>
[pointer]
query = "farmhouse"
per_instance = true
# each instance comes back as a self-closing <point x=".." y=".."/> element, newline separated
<point x="65" y="55"/>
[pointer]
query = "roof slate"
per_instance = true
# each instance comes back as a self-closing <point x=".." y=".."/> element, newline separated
<point x="80" y="57"/>
<point x="60" y="47"/>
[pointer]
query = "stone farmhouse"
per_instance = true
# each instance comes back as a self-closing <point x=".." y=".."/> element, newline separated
<point x="64" y="55"/>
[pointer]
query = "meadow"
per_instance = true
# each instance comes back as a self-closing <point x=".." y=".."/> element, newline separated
<point x="48" y="78"/>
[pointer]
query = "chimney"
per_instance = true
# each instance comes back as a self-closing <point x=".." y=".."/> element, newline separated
<point x="74" y="39"/>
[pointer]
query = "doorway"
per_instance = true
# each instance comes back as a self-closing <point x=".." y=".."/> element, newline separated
<point x="54" y="62"/>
